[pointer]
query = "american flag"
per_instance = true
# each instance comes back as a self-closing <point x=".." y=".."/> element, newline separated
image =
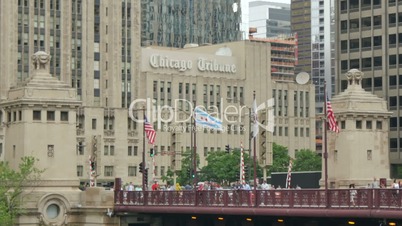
<point x="149" y="131"/>
<point x="333" y="125"/>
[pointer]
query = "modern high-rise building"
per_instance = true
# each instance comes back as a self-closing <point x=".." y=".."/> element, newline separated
<point x="301" y="25"/>
<point x="289" y="94"/>
<point x="368" y="39"/>
<point x="176" y="23"/>
<point x="269" y="18"/>
<point x="322" y="56"/>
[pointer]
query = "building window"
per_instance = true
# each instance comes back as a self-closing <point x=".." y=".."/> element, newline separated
<point x="111" y="150"/>
<point x="36" y="115"/>
<point x="335" y="155"/>
<point x="9" y="116"/>
<point x="135" y="150"/>
<point x="393" y="122"/>
<point x="94" y="123"/>
<point x="108" y="150"/>
<point x="343" y="124"/>
<point x="162" y="170"/>
<point x="80" y="171"/>
<point x="1" y="149"/>
<point x="393" y="143"/>
<point x="307" y="132"/>
<point x="130" y="150"/>
<point x="132" y="171"/>
<point x="369" y="155"/>
<point x="108" y="123"/>
<point x="296" y="131"/>
<point x="358" y="124"/>
<point x="369" y="125"/>
<point x="108" y="171"/>
<point x="132" y="125"/>
<point x="50" y="116"/>
<point x="379" y="125"/>
<point x="156" y="170"/>
<point x="205" y="151"/>
<point x="80" y="148"/>
<point x="64" y="116"/>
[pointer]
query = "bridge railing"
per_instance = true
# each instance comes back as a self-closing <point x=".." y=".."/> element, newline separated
<point x="280" y="198"/>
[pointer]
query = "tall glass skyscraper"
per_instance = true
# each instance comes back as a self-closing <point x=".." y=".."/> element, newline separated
<point x="368" y="37"/>
<point x="301" y="25"/>
<point x="174" y="23"/>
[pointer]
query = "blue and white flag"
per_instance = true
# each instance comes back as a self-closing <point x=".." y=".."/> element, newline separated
<point x="204" y="119"/>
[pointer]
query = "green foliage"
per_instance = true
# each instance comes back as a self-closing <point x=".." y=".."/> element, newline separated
<point x="307" y="160"/>
<point x="225" y="168"/>
<point x="281" y="159"/>
<point x="183" y="176"/>
<point x="168" y="177"/>
<point x="12" y="187"/>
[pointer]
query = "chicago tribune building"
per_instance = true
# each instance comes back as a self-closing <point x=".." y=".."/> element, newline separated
<point x="171" y="82"/>
<point x="107" y="81"/>
<point x="74" y="105"/>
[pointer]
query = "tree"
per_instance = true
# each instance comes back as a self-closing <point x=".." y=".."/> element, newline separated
<point x="280" y="158"/>
<point x="183" y="176"/>
<point x="306" y="160"/>
<point x="168" y="177"/>
<point x="224" y="168"/>
<point x="12" y="187"/>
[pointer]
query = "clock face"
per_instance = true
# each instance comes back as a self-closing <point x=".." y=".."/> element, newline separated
<point x="52" y="211"/>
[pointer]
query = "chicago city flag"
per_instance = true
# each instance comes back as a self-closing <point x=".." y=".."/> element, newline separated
<point x="204" y="119"/>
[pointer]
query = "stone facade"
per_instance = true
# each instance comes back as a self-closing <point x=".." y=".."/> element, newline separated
<point x="41" y="123"/>
<point x="359" y="152"/>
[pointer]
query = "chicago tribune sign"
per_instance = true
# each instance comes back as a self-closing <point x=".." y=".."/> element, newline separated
<point x="203" y="65"/>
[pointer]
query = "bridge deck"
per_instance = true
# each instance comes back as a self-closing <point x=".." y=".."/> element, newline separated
<point x="284" y="202"/>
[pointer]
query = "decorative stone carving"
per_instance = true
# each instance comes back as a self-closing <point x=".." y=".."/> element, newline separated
<point x="40" y="60"/>
<point x="354" y="77"/>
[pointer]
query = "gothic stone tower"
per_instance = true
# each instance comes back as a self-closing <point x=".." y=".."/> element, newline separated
<point x="359" y="152"/>
<point x="41" y="122"/>
<point x="40" y="117"/>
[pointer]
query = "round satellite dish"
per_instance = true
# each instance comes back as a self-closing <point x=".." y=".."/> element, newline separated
<point x="224" y="51"/>
<point x="235" y="7"/>
<point x="302" y="78"/>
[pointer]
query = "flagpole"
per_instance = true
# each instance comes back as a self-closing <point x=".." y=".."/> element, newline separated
<point x="250" y="138"/>
<point x="289" y="176"/>
<point x="143" y="152"/>
<point x="325" y="145"/>
<point x="194" y="131"/>
<point x="242" y="166"/>
<point x="255" y="161"/>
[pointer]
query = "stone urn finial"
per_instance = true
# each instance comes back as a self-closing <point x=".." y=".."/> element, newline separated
<point x="354" y="77"/>
<point x="40" y="60"/>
